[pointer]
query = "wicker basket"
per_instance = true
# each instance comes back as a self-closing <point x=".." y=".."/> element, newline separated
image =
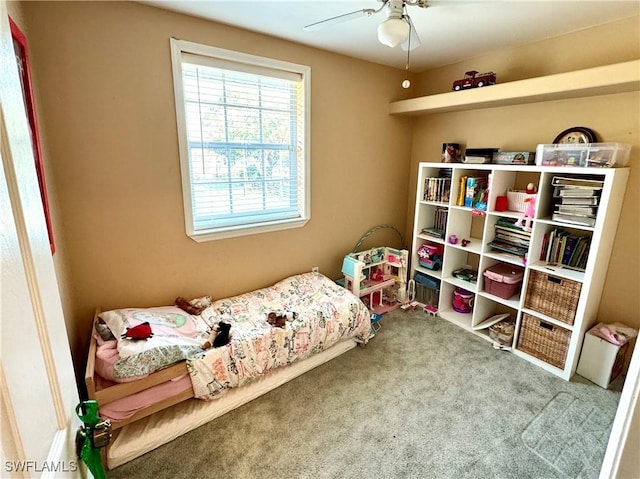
<point x="554" y="296"/>
<point x="543" y="340"/>
<point x="515" y="200"/>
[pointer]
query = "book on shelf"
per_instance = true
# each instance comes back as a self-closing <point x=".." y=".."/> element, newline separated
<point x="440" y="218"/>
<point x="436" y="233"/>
<point x="461" y="191"/>
<point x="511" y="239"/>
<point x="513" y="231"/>
<point x="560" y="247"/>
<point x="509" y="248"/>
<point x="510" y="223"/>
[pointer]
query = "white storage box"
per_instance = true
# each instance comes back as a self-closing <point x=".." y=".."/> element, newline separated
<point x="604" y="155"/>
<point x="601" y="362"/>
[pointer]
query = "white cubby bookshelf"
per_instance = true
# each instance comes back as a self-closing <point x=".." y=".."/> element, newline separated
<point x="479" y="230"/>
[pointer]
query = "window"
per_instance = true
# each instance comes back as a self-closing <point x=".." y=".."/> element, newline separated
<point x="243" y="130"/>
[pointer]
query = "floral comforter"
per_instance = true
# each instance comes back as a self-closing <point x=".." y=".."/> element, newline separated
<point x="325" y="315"/>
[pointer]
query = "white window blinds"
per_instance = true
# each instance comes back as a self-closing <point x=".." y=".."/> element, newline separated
<point x="244" y="142"/>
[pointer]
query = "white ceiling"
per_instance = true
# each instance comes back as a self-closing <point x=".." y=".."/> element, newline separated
<point x="450" y="30"/>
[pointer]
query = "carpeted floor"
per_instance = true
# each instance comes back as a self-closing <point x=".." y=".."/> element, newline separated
<point x="424" y="399"/>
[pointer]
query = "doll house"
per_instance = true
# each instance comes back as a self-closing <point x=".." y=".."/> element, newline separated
<point x="378" y="276"/>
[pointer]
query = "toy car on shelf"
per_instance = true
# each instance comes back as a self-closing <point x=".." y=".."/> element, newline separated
<point x="473" y="79"/>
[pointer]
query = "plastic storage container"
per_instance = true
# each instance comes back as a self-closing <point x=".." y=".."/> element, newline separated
<point x="605" y="155"/>
<point x="503" y="280"/>
<point x="462" y="301"/>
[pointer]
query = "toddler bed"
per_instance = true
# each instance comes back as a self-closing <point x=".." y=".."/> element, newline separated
<point x="156" y="389"/>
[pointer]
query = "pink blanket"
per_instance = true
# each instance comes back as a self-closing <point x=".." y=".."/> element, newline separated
<point x="106" y="356"/>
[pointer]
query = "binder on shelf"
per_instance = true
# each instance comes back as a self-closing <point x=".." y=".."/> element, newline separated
<point x="576" y="210"/>
<point x="578" y="200"/>
<point x="577" y="182"/>
<point x="564" y="191"/>
<point x="574" y="219"/>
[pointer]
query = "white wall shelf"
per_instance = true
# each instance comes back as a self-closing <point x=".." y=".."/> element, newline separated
<point x="617" y="78"/>
<point x="480" y="229"/>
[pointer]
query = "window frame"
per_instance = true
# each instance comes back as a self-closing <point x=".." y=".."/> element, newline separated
<point x="180" y="47"/>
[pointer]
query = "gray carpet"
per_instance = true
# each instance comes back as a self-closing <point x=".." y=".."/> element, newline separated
<point x="571" y="435"/>
<point x="424" y="399"/>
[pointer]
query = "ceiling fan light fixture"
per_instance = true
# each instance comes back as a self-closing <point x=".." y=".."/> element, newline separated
<point x="393" y="31"/>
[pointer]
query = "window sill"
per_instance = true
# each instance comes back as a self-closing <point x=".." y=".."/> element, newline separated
<point x="231" y="232"/>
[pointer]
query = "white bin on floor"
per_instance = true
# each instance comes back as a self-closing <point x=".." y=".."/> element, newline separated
<point x="601" y="362"/>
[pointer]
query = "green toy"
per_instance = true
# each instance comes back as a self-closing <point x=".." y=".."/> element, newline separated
<point x="92" y="435"/>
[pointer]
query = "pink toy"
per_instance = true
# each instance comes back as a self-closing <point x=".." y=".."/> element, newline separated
<point x="530" y="210"/>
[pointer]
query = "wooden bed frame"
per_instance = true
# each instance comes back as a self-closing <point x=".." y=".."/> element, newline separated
<point x="157" y="424"/>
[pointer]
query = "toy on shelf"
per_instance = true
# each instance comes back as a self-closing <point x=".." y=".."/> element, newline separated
<point x="524" y="221"/>
<point x="473" y="79"/>
<point x="378" y="276"/>
<point x="430" y="256"/>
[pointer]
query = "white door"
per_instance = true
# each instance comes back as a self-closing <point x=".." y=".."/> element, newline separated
<point x="37" y="382"/>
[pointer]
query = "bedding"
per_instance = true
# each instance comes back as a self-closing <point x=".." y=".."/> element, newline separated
<point x="177" y="335"/>
<point x="320" y="313"/>
<point x="324" y="314"/>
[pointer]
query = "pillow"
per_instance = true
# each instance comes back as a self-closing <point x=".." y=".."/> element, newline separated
<point x="170" y="326"/>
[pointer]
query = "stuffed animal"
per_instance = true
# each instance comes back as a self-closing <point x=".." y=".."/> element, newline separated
<point x="279" y="319"/>
<point x="219" y="336"/>
<point x="195" y="306"/>
<point x="141" y="331"/>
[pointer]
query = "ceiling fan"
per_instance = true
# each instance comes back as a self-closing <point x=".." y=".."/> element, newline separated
<point x="396" y="29"/>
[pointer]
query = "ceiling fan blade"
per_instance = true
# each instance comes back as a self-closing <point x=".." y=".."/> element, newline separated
<point x="413" y="41"/>
<point x="340" y="19"/>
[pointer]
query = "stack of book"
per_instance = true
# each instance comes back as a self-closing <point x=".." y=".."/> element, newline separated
<point x="437" y="189"/>
<point x="576" y="200"/>
<point x="561" y="247"/>
<point x="510" y="239"/>
<point x="439" y="223"/>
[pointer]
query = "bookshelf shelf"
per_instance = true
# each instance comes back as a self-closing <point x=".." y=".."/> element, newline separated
<point x="478" y="255"/>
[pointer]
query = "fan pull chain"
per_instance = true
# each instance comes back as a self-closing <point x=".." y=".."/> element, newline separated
<point x="406" y="83"/>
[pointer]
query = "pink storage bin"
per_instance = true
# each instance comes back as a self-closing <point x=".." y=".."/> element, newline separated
<point x="503" y="280"/>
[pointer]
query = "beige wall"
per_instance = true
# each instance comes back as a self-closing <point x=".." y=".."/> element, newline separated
<point x="106" y="103"/>
<point x="614" y="118"/>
